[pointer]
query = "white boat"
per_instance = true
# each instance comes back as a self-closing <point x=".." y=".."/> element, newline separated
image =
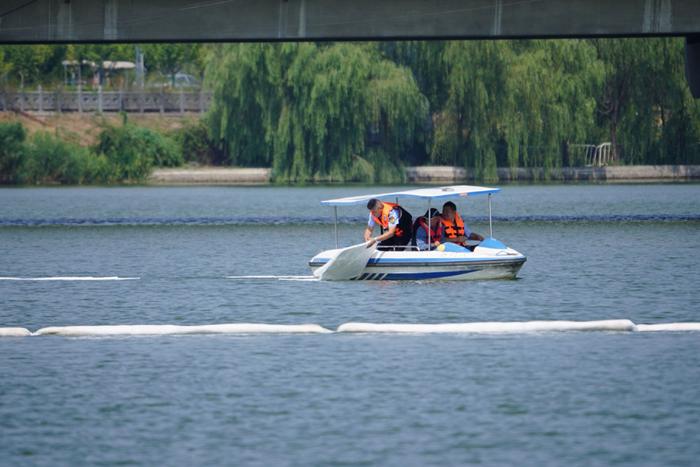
<point x="490" y="259"/>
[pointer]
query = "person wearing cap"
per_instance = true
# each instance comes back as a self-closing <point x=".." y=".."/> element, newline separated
<point x="454" y="228"/>
<point x="427" y="230"/>
<point x="394" y="224"/>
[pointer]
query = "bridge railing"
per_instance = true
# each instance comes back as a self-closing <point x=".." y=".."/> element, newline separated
<point x="105" y="101"/>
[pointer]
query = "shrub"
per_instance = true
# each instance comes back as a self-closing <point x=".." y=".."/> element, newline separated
<point x="133" y="151"/>
<point x="12" y="136"/>
<point x="51" y="159"/>
<point x="195" y="144"/>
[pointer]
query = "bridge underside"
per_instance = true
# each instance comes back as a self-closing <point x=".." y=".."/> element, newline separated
<point x="253" y="20"/>
<point x="47" y="21"/>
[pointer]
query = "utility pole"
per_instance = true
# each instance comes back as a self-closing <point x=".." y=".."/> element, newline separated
<point x="140" y="72"/>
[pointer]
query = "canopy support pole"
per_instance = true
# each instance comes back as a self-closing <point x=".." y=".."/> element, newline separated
<point x="490" y="221"/>
<point x="429" y="225"/>
<point x="335" y="224"/>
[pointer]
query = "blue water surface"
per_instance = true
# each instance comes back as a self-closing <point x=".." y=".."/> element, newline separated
<point x="594" y="252"/>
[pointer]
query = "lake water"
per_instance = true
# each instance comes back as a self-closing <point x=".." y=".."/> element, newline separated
<point x="594" y="252"/>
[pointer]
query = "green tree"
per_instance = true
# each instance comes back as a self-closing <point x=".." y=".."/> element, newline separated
<point x="426" y="61"/>
<point x="12" y="150"/>
<point x="132" y="151"/>
<point x="476" y="80"/>
<point x="646" y="104"/>
<point x="552" y="87"/>
<point x="515" y="103"/>
<point x="28" y="64"/>
<point x="315" y="112"/>
<point x="242" y="117"/>
<point x="169" y="59"/>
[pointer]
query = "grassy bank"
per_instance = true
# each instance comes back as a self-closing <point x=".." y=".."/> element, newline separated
<point x="85" y="128"/>
<point x="92" y="149"/>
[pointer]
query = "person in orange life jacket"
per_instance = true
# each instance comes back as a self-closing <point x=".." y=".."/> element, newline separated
<point x="421" y="229"/>
<point x="454" y="228"/>
<point x="394" y="222"/>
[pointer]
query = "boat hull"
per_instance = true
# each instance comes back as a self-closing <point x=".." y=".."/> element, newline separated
<point x="483" y="263"/>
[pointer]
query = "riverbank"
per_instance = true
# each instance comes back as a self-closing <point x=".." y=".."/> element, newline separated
<point x="211" y="176"/>
<point x="440" y="174"/>
<point x="84" y="129"/>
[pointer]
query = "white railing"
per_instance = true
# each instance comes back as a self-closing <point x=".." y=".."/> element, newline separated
<point x="592" y="155"/>
<point x="602" y="156"/>
<point x="105" y="101"/>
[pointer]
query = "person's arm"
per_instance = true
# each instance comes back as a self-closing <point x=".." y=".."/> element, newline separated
<point x="469" y="235"/>
<point x="368" y="233"/>
<point x="459" y="240"/>
<point x="380" y="238"/>
<point x="369" y="229"/>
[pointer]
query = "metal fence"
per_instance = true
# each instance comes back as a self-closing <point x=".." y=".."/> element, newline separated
<point x="105" y="101"/>
<point x="591" y="155"/>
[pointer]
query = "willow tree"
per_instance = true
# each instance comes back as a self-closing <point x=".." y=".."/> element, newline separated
<point x="324" y="116"/>
<point x="646" y="104"/>
<point x="399" y="113"/>
<point x="425" y="60"/>
<point x="551" y="92"/>
<point x="515" y="103"/>
<point x="678" y="113"/>
<point x="244" y="97"/>
<point x="466" y="130"/>
<point x="315" y="112"/>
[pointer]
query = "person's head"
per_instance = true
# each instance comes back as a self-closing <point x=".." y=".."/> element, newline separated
<point x="375" y="206"/>
<point x="434" y="215"/>
<point x="448" y="210"/>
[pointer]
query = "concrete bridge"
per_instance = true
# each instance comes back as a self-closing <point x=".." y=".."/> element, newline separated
<point x="46" y="21"/>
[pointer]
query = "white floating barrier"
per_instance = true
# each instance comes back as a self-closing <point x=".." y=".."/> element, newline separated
<point x="492" y="327"/>
<point x="150" y="329"/>
<point x="14" y="332"/>
<point x="277" y="278"/>
<point x="668" y="327"/>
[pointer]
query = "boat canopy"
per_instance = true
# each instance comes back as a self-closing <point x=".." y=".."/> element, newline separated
<point x="441" y="193"/>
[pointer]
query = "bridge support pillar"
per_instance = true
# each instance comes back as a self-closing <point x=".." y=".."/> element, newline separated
<point x="64" y="21"/>
<point x="692" y="64"/>
<point x="110" y="25"/>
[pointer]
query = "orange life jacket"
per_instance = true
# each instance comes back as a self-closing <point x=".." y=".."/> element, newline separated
<point x="435" y="234"/>
<point x="453" y="229"/>
<point x="383" y="219"/>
